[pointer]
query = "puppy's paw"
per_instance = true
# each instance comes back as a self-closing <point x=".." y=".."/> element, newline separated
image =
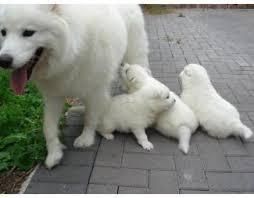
<point x="147" y="145"/>
<point x="247" y="135"/>
<point x="108" y="136"/>
<point x="53" y="158"/>
<point x="83" y="141"/>
<point x="184" y="148"/>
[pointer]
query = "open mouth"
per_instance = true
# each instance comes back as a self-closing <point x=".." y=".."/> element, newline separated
<point x="19" y="77"/>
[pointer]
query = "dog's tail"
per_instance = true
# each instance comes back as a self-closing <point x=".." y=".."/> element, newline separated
<point x="239" y="129"/>
<point x="184" y="138"/>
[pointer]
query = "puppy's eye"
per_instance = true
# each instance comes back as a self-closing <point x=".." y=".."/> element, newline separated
<point x="132" y="79"/>
<point x="3" y="32"/>
<point x="126" y="72"/>
<point x="167" y="97"/>
<point x="28" y="33"/>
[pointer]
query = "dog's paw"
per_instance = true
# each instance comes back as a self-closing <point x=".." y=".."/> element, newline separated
<point x="147" y="145"/>
<point x="53" y="158"/>
<point x="108" y="136"/>
<point x="83" y="141"/>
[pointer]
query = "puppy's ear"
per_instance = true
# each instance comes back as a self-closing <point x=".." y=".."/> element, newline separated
<point x="53" y="7"/>
<point x="48" y="7"/>
<point x="187" y="71"/>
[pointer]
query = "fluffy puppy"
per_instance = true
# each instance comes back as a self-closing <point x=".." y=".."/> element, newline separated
<point x="217" y="116"/>
<point x="133" y="113"/>
<point x="179" y="121"/>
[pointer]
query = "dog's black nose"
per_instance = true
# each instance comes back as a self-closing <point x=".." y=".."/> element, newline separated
<point x="6" y="61"/>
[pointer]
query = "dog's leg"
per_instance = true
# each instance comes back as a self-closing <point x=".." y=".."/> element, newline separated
<point x="142" y="139"/>
<point x="137" y="49"/>
<point x="52" y="112"/>
<point x="95" y="107"/>
<point x="184" y="139"/>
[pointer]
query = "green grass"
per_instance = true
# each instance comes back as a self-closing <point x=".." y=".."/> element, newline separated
<point x="21" y="140"/>
<point x="22" y="144"/>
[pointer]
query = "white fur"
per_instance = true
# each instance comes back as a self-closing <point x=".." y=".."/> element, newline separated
<point x="217" y="116"/>
<point x="133" y="113"/>
<point x="84" y="45"/>
<point x="178" y="122"/>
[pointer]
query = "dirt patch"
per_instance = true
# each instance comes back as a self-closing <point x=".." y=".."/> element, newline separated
<point x="11" y="181"/>
<point x="155" y="9"/>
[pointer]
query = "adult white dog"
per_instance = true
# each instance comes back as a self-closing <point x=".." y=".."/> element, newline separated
<point x="217" y="116"/>
<point x="134" y="113"/>
<point x="178" y="122"/>
<point x="70" y="51"/>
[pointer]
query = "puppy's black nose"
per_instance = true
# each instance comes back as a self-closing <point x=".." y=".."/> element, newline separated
<point x="6" y="61"/>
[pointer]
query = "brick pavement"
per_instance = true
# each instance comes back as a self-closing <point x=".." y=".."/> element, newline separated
<point x="223" y="42"/>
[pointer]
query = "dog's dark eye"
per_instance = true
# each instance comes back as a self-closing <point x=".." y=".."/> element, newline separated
<point x="167" y="97"/>
<point x="28" y="33"/>
<point x="3" y="32"/>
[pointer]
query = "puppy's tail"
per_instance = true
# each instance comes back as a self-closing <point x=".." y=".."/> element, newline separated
<point x="184" y="139"/>
<point x="239" y="129"/>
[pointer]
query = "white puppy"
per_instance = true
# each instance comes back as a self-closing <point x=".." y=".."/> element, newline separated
<point x="217" y="116"/>
<point x="133" y="113"/>
<point x="70" y="51"/>
<point x="178" y="122"/>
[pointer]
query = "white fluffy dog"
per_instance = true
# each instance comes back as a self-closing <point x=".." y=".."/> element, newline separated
<point x="70" y="51"/>
<point x="178" y="122"/>
<point x="217" y="116"/>
<point x="133" y="113"/>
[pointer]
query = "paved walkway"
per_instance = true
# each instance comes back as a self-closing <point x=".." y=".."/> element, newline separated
<point x="223" y="42"/>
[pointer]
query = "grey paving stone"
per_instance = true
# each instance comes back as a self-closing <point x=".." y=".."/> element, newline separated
<point x="233" y="147"/>
<point x="101" y="189"/>
<point x="231" y="181"/>
<point x="63" y="174"/>
<point x="194" y="192"/>
<point x="147" y="161"/>
<point x="250" y="148"/>
<point x="119" y="176"/>
<point x="163" y="182"/>
<point x="132" y="190"/>
<point x="190" y="172"/>
<point x="241" y="164"/>
<point x="202" y="137"/>
<point x="78" y="158"/>
<point x="110" y="152"/>
<point x="55" y="188"/>
<point x="213" y="157"/>
<point x="207" y="192"/>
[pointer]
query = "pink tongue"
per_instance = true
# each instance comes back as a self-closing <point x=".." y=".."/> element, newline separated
<point x="18" y="80"/>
